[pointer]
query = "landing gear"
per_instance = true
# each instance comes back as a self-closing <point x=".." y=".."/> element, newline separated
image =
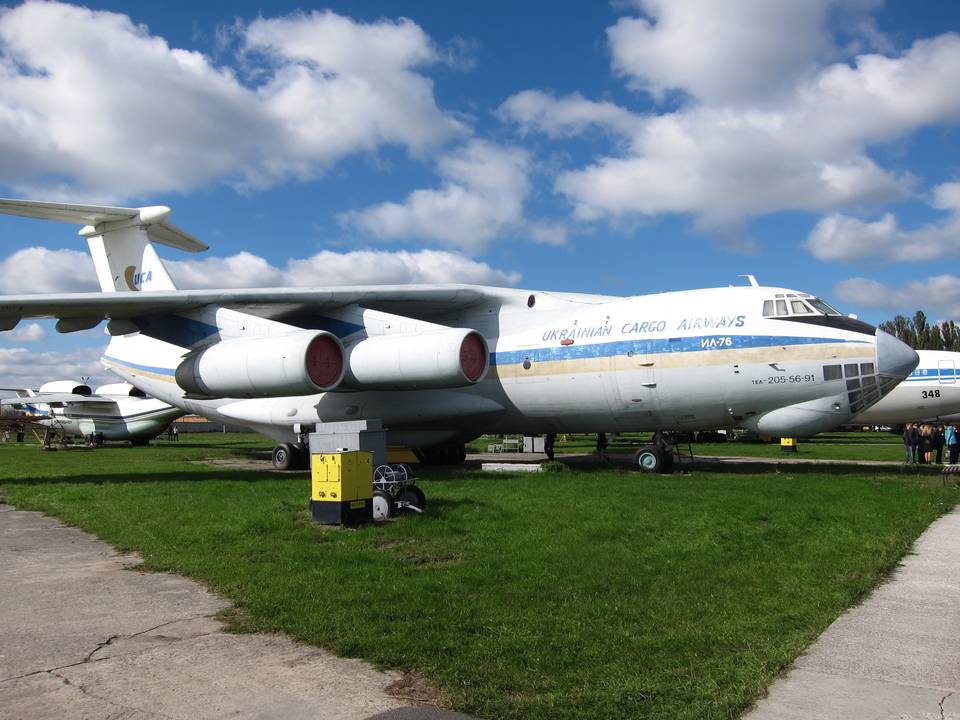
<point x="443" y="455"/>
<point x="656" y="458"/>
<point x="287" y="456"/>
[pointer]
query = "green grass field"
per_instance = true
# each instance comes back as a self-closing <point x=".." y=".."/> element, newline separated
<point x="587" y="594"/>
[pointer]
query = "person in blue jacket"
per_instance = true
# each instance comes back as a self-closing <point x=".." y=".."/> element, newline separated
<point x="953" y="444"/>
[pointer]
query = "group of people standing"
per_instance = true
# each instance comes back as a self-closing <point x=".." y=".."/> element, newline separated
<point x="924" y="443"/>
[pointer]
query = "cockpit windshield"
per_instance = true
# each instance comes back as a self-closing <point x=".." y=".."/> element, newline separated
<point x="797" y="308"/>
<point x="823" y="307"/>
<point x="789" y="304"/>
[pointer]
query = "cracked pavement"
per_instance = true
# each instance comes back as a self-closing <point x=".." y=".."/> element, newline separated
<point x="84" y="636"/>
<point x="895" y="656"/>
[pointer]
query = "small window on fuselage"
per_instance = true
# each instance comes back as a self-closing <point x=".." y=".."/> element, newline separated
<point x="832" y="372"/>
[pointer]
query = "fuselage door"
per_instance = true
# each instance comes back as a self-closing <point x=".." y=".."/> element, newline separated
<point x="947" y="372"/>
<point x="634" y="387"/>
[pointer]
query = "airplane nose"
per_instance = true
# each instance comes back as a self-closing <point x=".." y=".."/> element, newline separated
<point x="895" y="359"/>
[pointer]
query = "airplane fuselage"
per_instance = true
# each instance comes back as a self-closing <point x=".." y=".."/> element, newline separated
<point x="700" y="359"/>
<point x="128" y="418"/>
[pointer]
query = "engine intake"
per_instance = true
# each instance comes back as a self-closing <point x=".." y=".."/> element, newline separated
<point x="447" y="359"/>
<point x="301" y="363"/>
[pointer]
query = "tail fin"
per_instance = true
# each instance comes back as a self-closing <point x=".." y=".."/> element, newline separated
<point x="119" y="240"/>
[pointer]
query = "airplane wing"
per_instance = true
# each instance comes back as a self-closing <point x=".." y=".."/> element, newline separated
<point x="410" y="300"/>
<point x="56" y="400"/>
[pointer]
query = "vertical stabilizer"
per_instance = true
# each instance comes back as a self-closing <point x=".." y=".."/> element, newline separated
<point x="126" y="261"/>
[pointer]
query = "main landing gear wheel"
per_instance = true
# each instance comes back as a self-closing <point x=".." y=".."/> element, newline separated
<point x="287" y="456"/>
<point x="383" y="506"/>
<point x="652" y="459"/>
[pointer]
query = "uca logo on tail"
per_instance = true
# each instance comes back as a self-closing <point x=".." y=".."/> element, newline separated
<point x="136" y="279"/>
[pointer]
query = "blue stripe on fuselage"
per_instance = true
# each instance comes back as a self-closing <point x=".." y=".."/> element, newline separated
<point x="655" y="347"/>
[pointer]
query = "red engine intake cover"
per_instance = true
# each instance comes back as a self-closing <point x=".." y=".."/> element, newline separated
<point x="473" y="357"/>
<point x="324" y="361"/>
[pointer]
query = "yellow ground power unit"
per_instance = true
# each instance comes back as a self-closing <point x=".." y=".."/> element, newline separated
<point x="788" y="444"/>
<point x="342" y="487"/>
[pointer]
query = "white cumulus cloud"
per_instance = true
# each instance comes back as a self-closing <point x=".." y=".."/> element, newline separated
<point x="728" y="154"/>
<point x="481" y="198"/>
<point x="938" y="296"/>
<point x="731" y="51"/>
<point x="29" y="333"/>
<point x="29" y="271"/>
<point x="40" y="270"/>
<point x="839" y="237"/>
<point x="92" y="102"/>
<point x="25" y="368"/>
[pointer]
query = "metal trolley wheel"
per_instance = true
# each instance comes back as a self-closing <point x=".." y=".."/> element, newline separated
<point x="383" y="506"/>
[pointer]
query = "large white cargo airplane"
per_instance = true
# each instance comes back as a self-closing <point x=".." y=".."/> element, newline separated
<point x="118" y="411"/>
<point x="930" y="392"/>
<point x="442" y="364"/>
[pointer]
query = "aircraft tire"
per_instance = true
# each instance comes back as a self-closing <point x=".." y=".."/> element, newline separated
<point x="384" y="507"/>
<point x="651" y="459"/>
<point x="414" y="496"/>
<point x="284" y="457"/>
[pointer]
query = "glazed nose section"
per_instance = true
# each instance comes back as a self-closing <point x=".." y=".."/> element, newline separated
<point x="894" y="358"/>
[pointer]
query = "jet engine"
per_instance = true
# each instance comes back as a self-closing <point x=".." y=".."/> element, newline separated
<point x="71" y="387"/>
<point x="301" y="363"/>
<point x="445" y="359"/>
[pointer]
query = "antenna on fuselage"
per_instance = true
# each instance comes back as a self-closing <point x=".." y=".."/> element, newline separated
<point x="752" y="279"/>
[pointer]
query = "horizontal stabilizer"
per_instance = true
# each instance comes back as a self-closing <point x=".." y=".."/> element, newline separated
<point x="99" y="220"/>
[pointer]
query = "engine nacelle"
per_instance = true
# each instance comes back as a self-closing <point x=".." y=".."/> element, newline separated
<point x="121" y="389"/>
<point x="301" y="363"/>
<point x="446" y="359"/>
<point x="71" y="387"/>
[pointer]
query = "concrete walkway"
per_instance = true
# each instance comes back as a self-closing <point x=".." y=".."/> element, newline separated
<point x="82" y="636"/>
<point x="896" y="656"/>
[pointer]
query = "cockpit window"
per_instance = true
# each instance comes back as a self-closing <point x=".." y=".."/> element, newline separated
<point x="791" y="304"/>
<point x="823" y="307"/>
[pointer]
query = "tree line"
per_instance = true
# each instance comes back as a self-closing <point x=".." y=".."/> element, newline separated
<point x="918" y="333"/>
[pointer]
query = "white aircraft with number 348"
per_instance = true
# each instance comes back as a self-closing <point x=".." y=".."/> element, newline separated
<point x="441" y="364"/>
<point x="930" y="392"/>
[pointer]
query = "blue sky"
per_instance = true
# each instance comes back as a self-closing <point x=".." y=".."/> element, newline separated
<point x="620" y="148"/>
